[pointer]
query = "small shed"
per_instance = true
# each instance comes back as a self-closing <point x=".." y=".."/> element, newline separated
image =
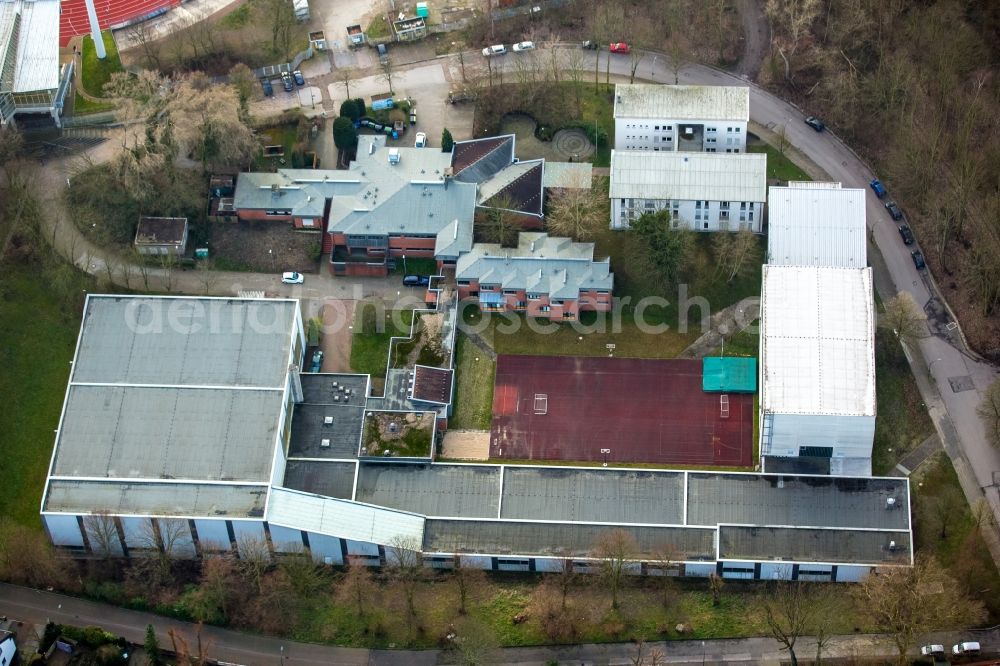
<point x="409" y="29"/>
<point x="161" y="235"/>
<point x="729" y="374"/>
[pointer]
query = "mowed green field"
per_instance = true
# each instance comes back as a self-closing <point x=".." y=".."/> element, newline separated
<point x="37" y="338"/>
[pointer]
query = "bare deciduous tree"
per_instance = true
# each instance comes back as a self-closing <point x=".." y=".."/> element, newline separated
<point x="254" y="558"/>
<point x="715" y="585"/>
<point x="907" y="602"/>
<point x="579" y="211"/>
<point x="989" y="411"/>
<point x="736" y="253"/>
<point x="904" y="317"/>
<point x="357" y="586"/>
<point x="615" y="549"/>
<point x="470" y="582"/>
<point x="405" y="564"/>
<point x="102" y="533"/>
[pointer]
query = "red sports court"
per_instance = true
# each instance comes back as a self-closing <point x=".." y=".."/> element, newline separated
<point x="618" y="409"/>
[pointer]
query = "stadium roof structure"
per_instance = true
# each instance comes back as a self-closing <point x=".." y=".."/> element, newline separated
<point x="150" y="417"/>
<point x="818" y="341"/>
<point x="729" y="374"/>
<point x="680" y="176"/>
<point x="819" y="224"/>
<point x="650" y="100"/>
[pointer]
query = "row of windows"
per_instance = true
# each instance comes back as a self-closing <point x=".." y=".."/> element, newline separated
<point x="670" y="128"/>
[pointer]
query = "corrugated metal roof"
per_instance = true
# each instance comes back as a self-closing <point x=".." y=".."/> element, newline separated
<point x="816" y="226"/>
<point x="650" y="100"/>
<point x="37" y="56"/>
<point x="156" y="499"/>
<point x="729" y="374"/>
<point x="818" y="341"/>
<point x="343" y="519"/>
<point x="647" y="174"/>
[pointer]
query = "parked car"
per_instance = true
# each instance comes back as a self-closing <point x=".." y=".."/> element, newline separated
<point x="291" y="277"/>
<point x="966" y="648"/>
<point x="495" y="50"/>
<point x="932" y="650"/>
<point x="590" y="45"/>
<point x="416" y="281"/>
<point x="878" y="187"/>
<point x="918" y="260"/>
<point x="317" y="361"/>
<point x="421" y="141"/>
<point x="619" y="47"/>
<point x="413" y="116"/>
<point x="383" y="52"/>
<point x="299" y="79"/>
<point x="286" y="81"/>
<point x="894" y="210"/>
<point x="815" y="123"/>
<point x="904" y="231"/>
<point x="268" y="88"/>
<point x="457" y="95"/>
<point x="524" y="46"/>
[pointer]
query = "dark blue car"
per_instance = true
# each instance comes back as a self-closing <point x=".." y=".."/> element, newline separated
<point x="416" y="281"/>
<point x="878" y="187"/>
<point x="268" y="89"/>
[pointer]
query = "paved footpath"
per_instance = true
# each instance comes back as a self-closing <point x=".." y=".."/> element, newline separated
<point x="236" y="647"/>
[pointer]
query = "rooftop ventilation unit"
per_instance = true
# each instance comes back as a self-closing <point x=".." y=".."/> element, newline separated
<point x="324" y="443"/>
<point x="327" y="420"/>
<point x="890" y="502"/>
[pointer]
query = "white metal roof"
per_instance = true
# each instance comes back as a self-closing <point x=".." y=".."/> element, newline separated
<point x="818" y="340"/>
<point x="646" y="174"/>
<point x="37" y="55"/>
<point x="820" y="225"/>
<point x="651" y="100"/>
<point x="342" y="518"/>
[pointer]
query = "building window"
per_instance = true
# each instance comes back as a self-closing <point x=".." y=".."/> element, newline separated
<point x="724" y="205"/>
<point x="710" y="140"/>
<point x="706" y="225"/>
<point x="463" y="283"/>
<point x="520" y="305"/>
<point x="511" y="292"/>
<point x="657" y="128"/>
<point x="697" y="204"/>
<point x="723" y="214"/>
<point x="743" y="216"/>
<point x="736" y="150"/>
<point x="569" y="315"/>
<point x="534" y="297"/>
<point x="545" y="308"/>
<point x="474" y="294"/>
<point x="743" y="205"/>
<point x="729" y="129"/>
<point x="710" y="129"/>
<point x="710" y="150"/>
<point x="750" y="216"/>
<point x="738" y="130"/>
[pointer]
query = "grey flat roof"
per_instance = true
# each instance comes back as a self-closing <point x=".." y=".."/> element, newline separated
<point x="603" y="496"/>
<point x="321" y="389"/>
<point x="168" y="433"/>
<point x="330" y="479"/>
<point x="810" y="545"/>
<point x="466" y="491"/>
<point x="185" y="341"/>
<point x="751" y="499"/>
<point x="156" y="499"/>
<point x="565" y="540"/>
<point x="309" y="429"/>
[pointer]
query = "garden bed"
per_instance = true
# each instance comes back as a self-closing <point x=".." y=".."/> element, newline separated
<point x="398" y="434"/>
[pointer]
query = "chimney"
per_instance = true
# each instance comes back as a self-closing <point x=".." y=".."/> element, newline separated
<point x="449" y="173"/>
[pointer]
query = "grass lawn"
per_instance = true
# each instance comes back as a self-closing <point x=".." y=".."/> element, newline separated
<point x="779" y="167"/>
<point x="96" y="72"/>
<point x="237" y="18"/>
<point x="474" y="374"/>
<point x="494" y="604"/>
<point x="937" y="500"/>
<point x="37" y="339"/>
<point x="82" y="106"/>
<point x="417" y="266"/>
<point x="285" y="136"/>
<point x="902" y="422"/>
<point x="378" y="28"/>
<point x="370" y="344"/>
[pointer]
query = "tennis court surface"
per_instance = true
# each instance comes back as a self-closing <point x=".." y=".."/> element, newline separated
<point x="618" y="409"/>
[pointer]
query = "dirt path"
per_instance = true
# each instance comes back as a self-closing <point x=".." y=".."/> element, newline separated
<point x="466" y="445"/>
<point x="756" y="38"/>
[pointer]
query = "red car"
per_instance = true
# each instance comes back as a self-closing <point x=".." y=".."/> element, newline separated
<point x="619" y="47"/>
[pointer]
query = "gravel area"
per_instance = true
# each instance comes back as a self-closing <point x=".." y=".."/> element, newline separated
<point x="264" y="247"/>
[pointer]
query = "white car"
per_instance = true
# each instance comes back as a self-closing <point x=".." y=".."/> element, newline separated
<point x="932" y="650"/>
<point x="421" y="140"/>
<point x="495" y="50"/>
<point x="524" y="46"/>
<point x="966" y="648"/>
<point x="291" y="277"/>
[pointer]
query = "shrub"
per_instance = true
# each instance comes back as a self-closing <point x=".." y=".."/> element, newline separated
<point x="349" y="108"/>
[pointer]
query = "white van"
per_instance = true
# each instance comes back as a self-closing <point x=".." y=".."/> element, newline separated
<point x="966" y="648"/>
<point x="495" y="50"/>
